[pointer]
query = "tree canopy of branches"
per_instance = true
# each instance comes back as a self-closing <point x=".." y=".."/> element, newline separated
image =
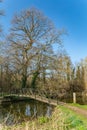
<point x="32" y="38"/>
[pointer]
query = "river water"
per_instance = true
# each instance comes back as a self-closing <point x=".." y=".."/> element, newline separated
<point x="19" y="111"/>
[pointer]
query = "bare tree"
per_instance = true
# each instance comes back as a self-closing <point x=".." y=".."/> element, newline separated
<point x="60" y="74"/>
<point x="31" y="33"/>
<point x="1" y="48"/>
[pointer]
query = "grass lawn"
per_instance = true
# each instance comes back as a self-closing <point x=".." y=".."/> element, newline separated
<point x="73" y="120"/>
<point x="79" y="106"/>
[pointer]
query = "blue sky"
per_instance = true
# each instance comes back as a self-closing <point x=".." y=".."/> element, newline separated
<point x="68" y="14"/>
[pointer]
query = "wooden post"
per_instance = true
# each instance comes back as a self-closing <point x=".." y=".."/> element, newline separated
<point x="74" y="97"/>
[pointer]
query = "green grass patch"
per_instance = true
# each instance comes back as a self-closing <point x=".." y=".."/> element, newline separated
<point x="43" y="119"/>
<point x="73" y="120"/>
<point x="79" y="106"/>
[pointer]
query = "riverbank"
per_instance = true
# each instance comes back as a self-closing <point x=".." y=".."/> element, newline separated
<point x="63" y="118"/>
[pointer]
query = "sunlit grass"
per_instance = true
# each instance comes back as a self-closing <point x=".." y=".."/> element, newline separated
<point x="75" y="121"/>
<point x="80" y="106"/>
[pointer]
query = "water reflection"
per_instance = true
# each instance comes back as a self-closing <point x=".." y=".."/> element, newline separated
<point x="27" y="110"/>
<point x="12" y="113"/>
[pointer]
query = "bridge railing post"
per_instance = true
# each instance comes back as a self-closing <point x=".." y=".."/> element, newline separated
<point x="35" y="95"/>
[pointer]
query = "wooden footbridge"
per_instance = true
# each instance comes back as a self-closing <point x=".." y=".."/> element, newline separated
<point x="28" y="93"/>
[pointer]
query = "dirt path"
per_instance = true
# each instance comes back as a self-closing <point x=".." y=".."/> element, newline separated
<point x="79" y="111"/>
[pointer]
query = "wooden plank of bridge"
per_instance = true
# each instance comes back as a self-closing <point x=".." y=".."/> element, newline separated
<point x="42" y="99"/>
